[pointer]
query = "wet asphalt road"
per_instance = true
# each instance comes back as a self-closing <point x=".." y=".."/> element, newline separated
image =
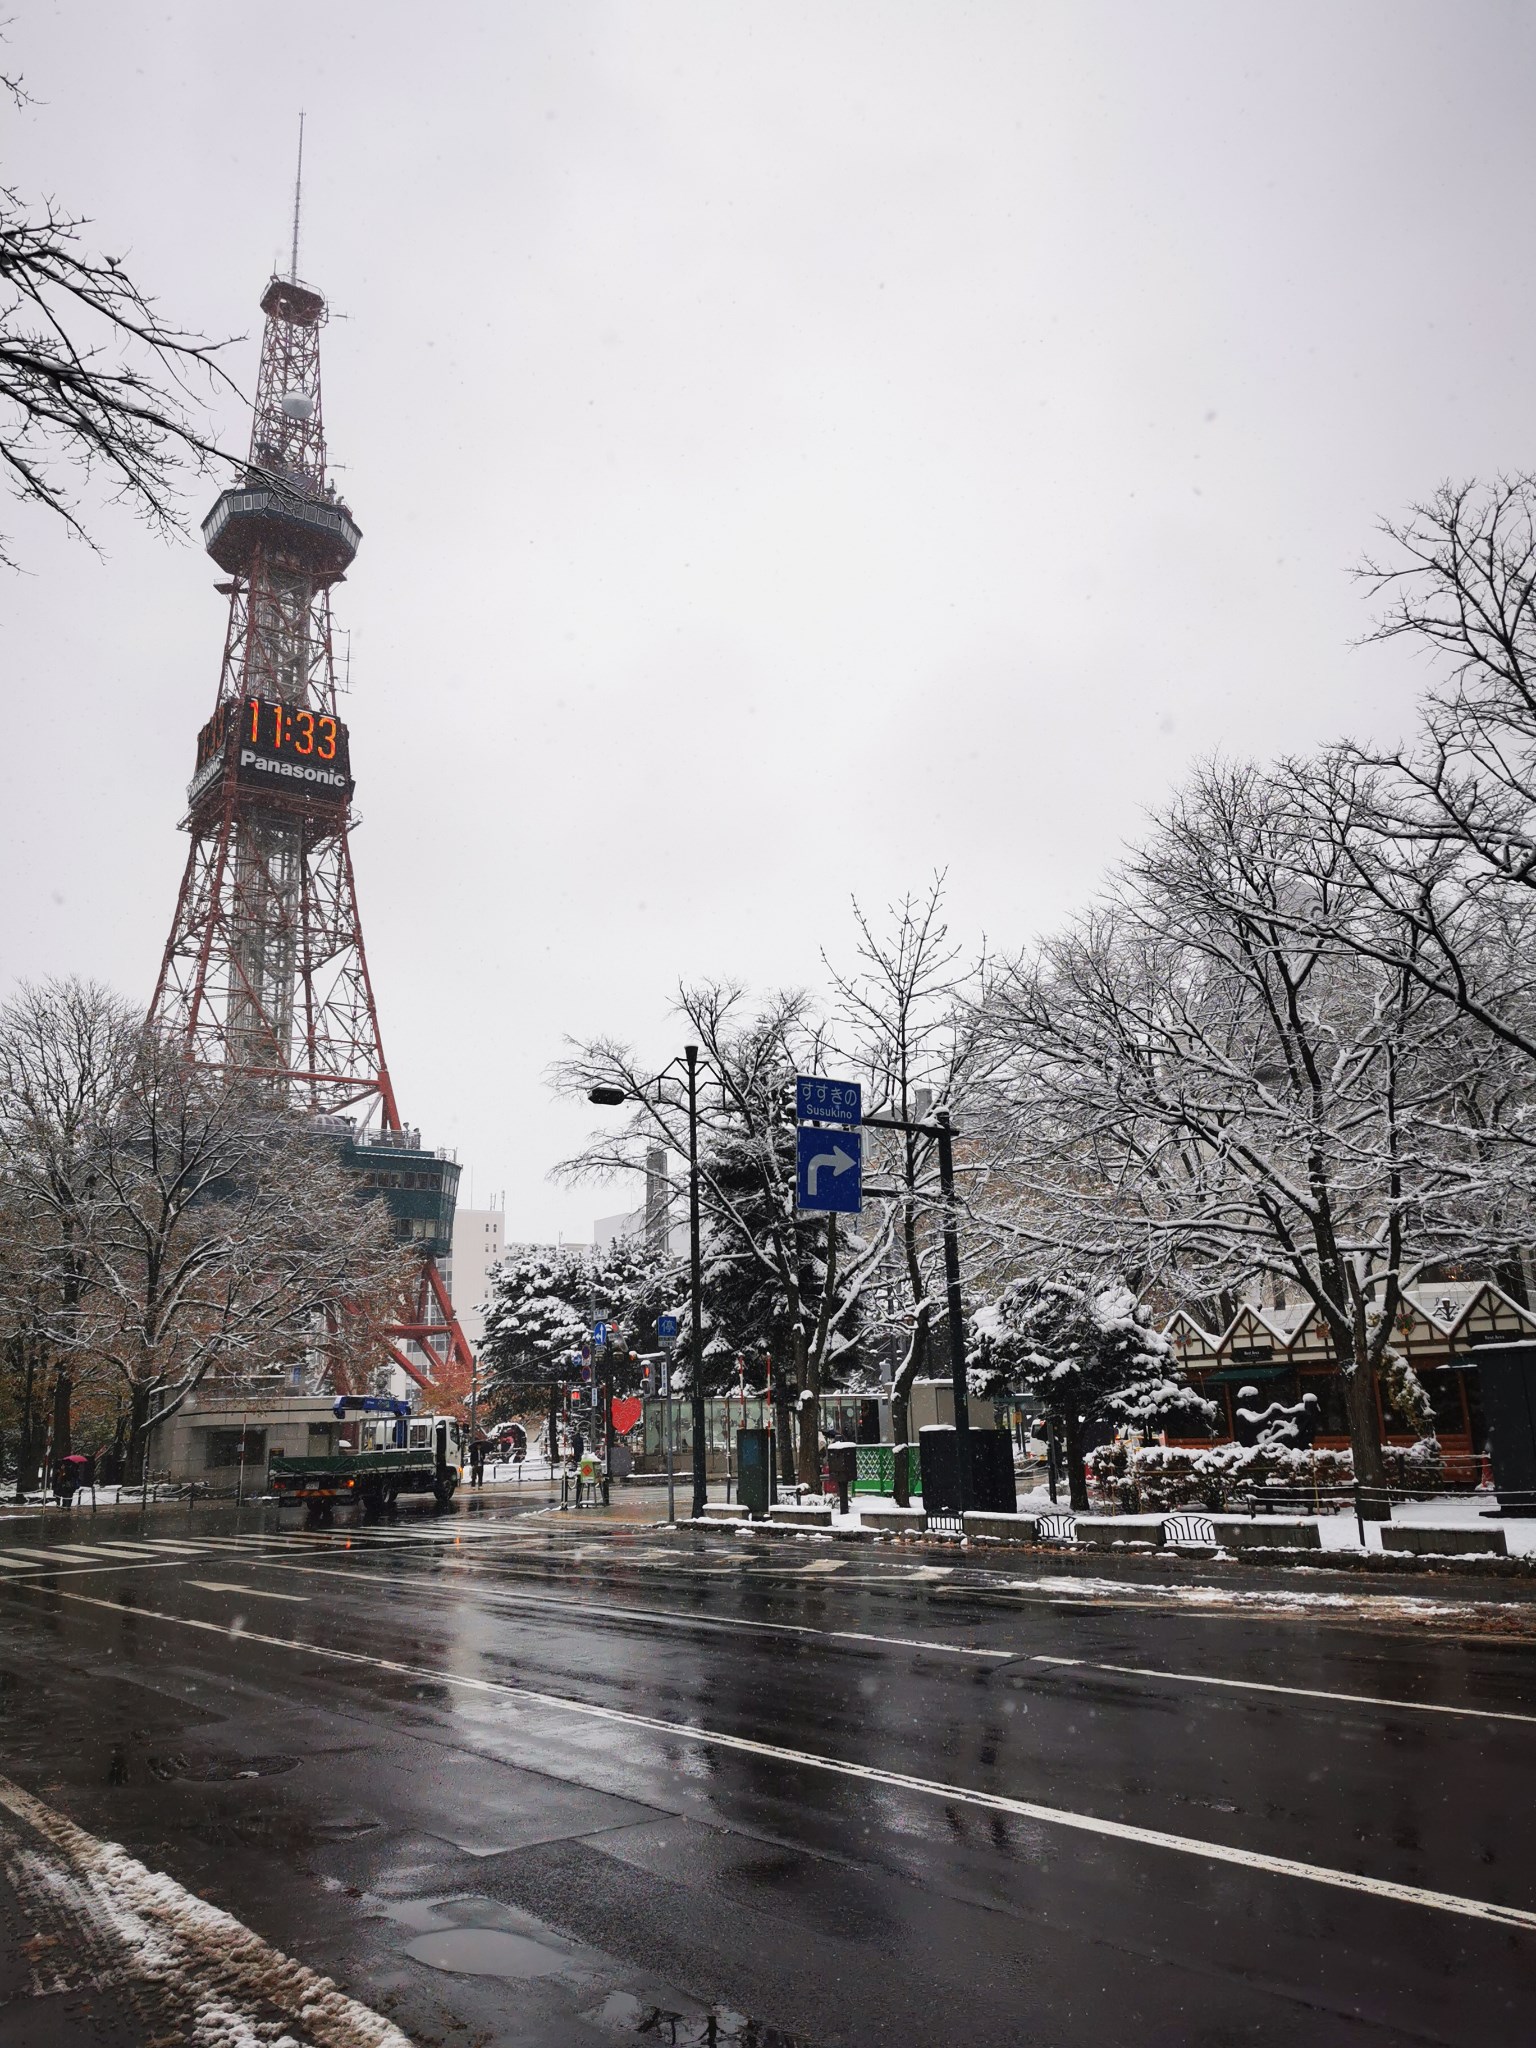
<point x="510" y="1779"/>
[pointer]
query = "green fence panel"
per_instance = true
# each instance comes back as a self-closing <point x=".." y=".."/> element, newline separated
<point x="876" y="1470"/>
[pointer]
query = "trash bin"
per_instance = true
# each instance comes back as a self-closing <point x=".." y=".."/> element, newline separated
<point x="992" y="1488"/>
<point x="756" y="1482"/>
<point x="843" y="1466"/>
<point x="1507" y="1374"/>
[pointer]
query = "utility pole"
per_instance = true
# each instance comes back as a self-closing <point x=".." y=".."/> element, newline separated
<point x="953" y="1312"/>
<point x="943" y="1130"/>
<point x="609" y="1096"/>
<point x="695" y="1274"/>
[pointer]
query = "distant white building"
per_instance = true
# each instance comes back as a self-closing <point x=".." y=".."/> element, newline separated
<point x="479" y="1244"/>
<point x="661" y="1219"/>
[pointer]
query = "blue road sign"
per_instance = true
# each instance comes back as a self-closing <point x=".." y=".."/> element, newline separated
<point x="599" y="1333"/>
<point x="827" y="1102"/>
<point x="829" y="1167"/>
<point x="666" y="1329"/>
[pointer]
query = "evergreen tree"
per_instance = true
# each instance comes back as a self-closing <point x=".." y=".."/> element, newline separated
<point x="1085" y="1350"/>
<point x="544" y="1303"/>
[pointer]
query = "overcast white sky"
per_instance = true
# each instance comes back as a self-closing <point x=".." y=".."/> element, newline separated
<point x="798" y="446"/>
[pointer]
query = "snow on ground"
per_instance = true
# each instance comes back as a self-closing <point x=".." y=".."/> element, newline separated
<point x="106" y="1921"/>
<point x="1451" y="1511"/>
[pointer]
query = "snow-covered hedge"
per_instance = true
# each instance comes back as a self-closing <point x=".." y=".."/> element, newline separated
<point x="1141" y="1478"/>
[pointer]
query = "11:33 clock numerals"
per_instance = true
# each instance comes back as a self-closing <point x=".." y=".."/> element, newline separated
<point x="295" y="729"/>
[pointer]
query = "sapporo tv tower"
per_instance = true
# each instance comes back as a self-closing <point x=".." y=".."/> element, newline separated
<point x="264" y="973"/>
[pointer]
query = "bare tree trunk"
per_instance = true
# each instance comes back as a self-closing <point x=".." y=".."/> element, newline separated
<point x="901" y="1406"/>
<point x="138" y="1435"/>
<point x="1077" y="1478"/>
<point x="63" y="1388"/>
<point x="1365" y="1437"/>
<point x="29" y="1440"/>
<point x="783" y="1426"/>
<point x="809" y="1468"/>
<point x="917" y="1348"/>
<point x="901" y="1489"/>
<point x="810" y="1411"/>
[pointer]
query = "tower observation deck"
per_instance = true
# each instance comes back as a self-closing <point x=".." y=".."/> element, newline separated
<point x="264" y="973"/>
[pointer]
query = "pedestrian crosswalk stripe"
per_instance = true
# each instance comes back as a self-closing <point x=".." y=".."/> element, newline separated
<point x="119" y="1550"/>
<point x="74" y="1550"/>
<point x="31" y="1556"/>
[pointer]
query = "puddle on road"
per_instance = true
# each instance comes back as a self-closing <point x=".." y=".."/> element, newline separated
<point x="716" y="2027"/>
<point x="473" y="1936"/>
<point x="479" y="1937"/>
<point x="216" y="1770"/>
<point x="485" y="1952"/>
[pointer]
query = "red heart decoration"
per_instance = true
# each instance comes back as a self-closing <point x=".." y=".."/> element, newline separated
<point x="626" y="1414"/>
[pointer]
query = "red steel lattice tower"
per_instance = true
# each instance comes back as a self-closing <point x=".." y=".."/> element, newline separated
<point x="264" y="973"/>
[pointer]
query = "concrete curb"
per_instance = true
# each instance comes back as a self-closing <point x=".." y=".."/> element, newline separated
<point x="1367" y="1564"/>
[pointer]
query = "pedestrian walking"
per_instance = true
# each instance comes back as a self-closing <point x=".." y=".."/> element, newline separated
<point x="477" y="1463"/>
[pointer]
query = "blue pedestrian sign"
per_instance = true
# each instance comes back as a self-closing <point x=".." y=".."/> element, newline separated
<point x="819" y="1101"/>
<point x="666" y="1329"/>
<point x="829" y="1168"/>
<point x="599" y="1333"/>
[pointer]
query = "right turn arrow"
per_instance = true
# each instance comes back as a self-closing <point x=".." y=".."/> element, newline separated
<point x="837" y="1159"/>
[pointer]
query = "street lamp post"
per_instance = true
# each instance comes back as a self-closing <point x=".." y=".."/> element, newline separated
<point x="610" y="1098"/>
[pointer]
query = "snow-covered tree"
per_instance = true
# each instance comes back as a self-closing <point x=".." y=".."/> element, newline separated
<point x="93" y="378"/>
<point x="226" y="1237"/>
<point x="1084" y="1349"/>
<point x="804" y="1276"/>
<point x="1437" y="838"/>
<point x="535" y="1322"/>
<point x="912" y="1015"/>
<point x="542" y="1307"/>
<point x="67" y="1054"/>
<point x="1207" y="1085"/>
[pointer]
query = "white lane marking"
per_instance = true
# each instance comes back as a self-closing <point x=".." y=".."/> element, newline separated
<point x="870" y="1774"/>
<point x="1300" y="1692"/>
<point x="249" y="1592"/>
<point x="161" y="1934"/>
<point x="600" y="1612"/>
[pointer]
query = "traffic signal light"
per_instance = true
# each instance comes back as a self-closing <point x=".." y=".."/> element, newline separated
<point x="648" y="1379"/>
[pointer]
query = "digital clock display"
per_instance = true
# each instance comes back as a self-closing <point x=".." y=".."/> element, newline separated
<point x="290" y="747"/>
<point x="275" y="739"/>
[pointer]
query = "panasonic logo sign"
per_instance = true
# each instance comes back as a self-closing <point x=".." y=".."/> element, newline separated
<point x="292" y="771"/>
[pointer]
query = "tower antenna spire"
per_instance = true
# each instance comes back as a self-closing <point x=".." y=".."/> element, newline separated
<point x="298" y="193"/>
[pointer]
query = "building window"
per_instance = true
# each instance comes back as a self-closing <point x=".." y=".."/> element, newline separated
<point x="224" y="1448"/>
<point x="320" y="1434"/>
<point x="1444" y="1391"/>
<point x="1332" y="1406"/>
